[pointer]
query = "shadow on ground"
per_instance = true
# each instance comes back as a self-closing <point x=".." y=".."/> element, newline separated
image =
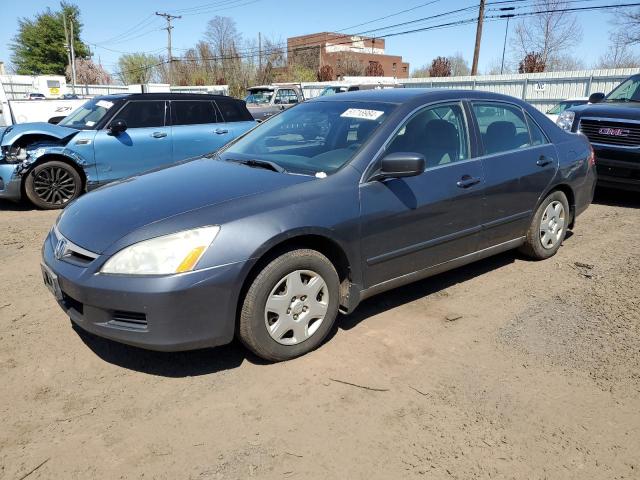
<point x="21" y="206"/>
<point x="617" y="198"/>
<point x="227" y="357"/>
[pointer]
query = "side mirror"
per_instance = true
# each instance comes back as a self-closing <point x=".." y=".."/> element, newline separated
<point x="401" y="164"/>
<point x="596" y="97"/>
<point x="117" y="127"/>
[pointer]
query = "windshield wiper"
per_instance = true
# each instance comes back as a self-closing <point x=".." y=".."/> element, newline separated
<point x="258" y="164"/>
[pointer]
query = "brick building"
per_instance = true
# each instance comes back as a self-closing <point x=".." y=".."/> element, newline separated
<point x="347" y="55"/>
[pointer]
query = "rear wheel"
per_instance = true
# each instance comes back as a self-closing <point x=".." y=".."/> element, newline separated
<point x="290" y="306"/>
<point x="548" y="227"/>
<point x="52" y="185"/>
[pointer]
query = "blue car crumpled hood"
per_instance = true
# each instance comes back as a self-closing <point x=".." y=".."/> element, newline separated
<point x="12" y="133"/>
<point x="102" y="217"/>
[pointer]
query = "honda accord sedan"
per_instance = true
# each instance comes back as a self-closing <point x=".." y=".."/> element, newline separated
<point x="328" y="203"/>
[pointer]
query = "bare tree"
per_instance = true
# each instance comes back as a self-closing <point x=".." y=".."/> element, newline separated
<point x="374" y="69"/>
<point x="618" y="55"/>
<point x="348" y="65"/>
<point x="421" y="72"/>
<point x="325" y="73"/>
<point x="629" y="22"/>
<point x="459" y="65"/>
<point x="89" y="73"/>
<point x="550" y="33"/>
<point x="440" y="67"/>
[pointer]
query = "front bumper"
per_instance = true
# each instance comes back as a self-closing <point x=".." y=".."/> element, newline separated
<point x="616" y="171"/>
<point x="167" y="313"/>
<point x="10" y="182"/>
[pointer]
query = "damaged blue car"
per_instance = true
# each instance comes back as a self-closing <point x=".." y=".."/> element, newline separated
<point x="113" y="137"/>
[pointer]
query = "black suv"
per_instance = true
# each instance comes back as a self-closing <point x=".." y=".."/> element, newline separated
<point x="612" y="124"/>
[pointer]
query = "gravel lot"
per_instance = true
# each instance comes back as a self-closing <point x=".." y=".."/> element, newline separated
<point x="503" y="369"/>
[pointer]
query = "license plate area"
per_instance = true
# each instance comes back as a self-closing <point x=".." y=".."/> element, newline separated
<point x="50" y="280"/>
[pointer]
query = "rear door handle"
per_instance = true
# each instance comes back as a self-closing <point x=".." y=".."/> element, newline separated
<point x="220" y="131"/>
<point x="158" y="134"/>
<point x="543" y="161"/>
<point x="467" y="181"/>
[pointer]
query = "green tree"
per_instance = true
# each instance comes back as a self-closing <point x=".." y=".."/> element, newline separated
<point x="137" y="68"/>
<point x="38" y="47"/>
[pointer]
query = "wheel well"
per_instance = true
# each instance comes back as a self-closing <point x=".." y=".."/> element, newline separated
<point x="324" y="245"/>
<point x="60" y="158"/>
<point x="568" y="191"/>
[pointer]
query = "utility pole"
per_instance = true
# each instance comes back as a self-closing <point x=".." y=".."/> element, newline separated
<point x="73" y="57"/>
<point x="476" y="51"/>
<point x="67" y="47"/>
<point x="168" y="28"/>
<point x="260" y="52"/>
<point x="508" y="16"/>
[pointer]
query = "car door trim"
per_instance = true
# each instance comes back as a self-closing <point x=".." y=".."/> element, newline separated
<point x="416" y="247"/>
<point x="439" y="268"/>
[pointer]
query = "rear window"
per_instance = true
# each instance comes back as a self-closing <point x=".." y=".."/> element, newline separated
<point x="233" y="111"/>
<point x="193" y="112"/>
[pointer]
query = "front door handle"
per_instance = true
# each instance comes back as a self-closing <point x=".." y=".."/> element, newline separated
<point x="158" y="134"/>
<point x="543" y="161"/>
<point x="467" y="181"/>
<point x="220" y="131"/>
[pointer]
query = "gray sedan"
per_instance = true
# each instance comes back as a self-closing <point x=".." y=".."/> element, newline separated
<point x="328" y="203"/>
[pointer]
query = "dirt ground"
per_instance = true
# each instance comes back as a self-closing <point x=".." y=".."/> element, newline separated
<point x="538" y="378"/>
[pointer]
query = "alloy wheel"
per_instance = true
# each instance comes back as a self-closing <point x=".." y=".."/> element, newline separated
<point x="54" y="185"/>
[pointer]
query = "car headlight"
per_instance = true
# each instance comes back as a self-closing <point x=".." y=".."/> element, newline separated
<point x="565" y="120"/>
<point x="174" y="253"/>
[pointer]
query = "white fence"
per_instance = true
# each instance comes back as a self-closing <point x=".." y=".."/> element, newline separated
<point x="542" y="90"/>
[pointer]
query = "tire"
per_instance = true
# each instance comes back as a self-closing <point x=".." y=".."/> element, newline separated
<point x="280" y="318"/>
<point x="548" y="227"/>
<point x="52" y="185"/>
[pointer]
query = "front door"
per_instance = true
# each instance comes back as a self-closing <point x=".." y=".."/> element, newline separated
<point x="409" y="224"/>
<point x="519" y="164"/>
<point x="145" y="144"/>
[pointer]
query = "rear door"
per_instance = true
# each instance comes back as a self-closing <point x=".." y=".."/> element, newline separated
<point x="519" y="163"/>
<point x="413" y="223"/>
<point x="196" y="128"/>
<point x="235" y="116"/>
<point x="145" y="144"/>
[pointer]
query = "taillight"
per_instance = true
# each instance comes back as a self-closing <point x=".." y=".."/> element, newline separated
<point x="592" y="157"/>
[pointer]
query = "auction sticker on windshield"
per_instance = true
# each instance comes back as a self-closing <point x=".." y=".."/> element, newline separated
<point x="362" y="113"/>
<point x="104" y="104"/>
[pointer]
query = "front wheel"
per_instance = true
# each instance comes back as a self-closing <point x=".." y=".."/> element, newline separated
<point x="52" y="185"/>
<point x="290" y="306"/>
<point x="548" y="227"/>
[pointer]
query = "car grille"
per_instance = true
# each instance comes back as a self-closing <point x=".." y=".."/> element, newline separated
<point x="68" y="251"/>
<point x="608" y="132"/>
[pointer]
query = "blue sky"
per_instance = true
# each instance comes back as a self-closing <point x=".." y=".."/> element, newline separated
<point x="280" y="19"/>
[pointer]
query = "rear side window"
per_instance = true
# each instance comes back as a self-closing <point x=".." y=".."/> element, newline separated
<point x="233" y="111"/>
<point x="143" y="114"/>
<point x="187" y="112"/>
<point x="503" y="127"/>
<point x="537" y="135"/>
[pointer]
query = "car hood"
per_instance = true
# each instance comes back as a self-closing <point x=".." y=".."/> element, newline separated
<point x="12" y="133"/>
<point x="102" y="217"/>
<point x="629" y="110"/>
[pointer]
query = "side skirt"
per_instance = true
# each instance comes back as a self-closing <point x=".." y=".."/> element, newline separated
<point x="430" y="271"/>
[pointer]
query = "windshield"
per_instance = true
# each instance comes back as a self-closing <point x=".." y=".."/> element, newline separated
<point x="88" y="115"/>
<point x="259" y="96"/>
<point x="328" y="91"/>
<point x="626" y="91"/>
<point x="312" y="138"/>
<point x="562" y="106"/>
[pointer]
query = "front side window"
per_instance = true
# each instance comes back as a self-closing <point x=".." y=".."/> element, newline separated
<point x="439" y="133"/>
<point x="187" y="112"/>
<point x="143" y="114"/>
<point x="312" y="137"/>
<point x="285" y="97"/>
<point x="502" y="127"/>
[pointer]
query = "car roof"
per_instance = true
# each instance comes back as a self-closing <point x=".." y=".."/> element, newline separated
<point x="166" y="96"/>
<point x="404" y="95"/>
